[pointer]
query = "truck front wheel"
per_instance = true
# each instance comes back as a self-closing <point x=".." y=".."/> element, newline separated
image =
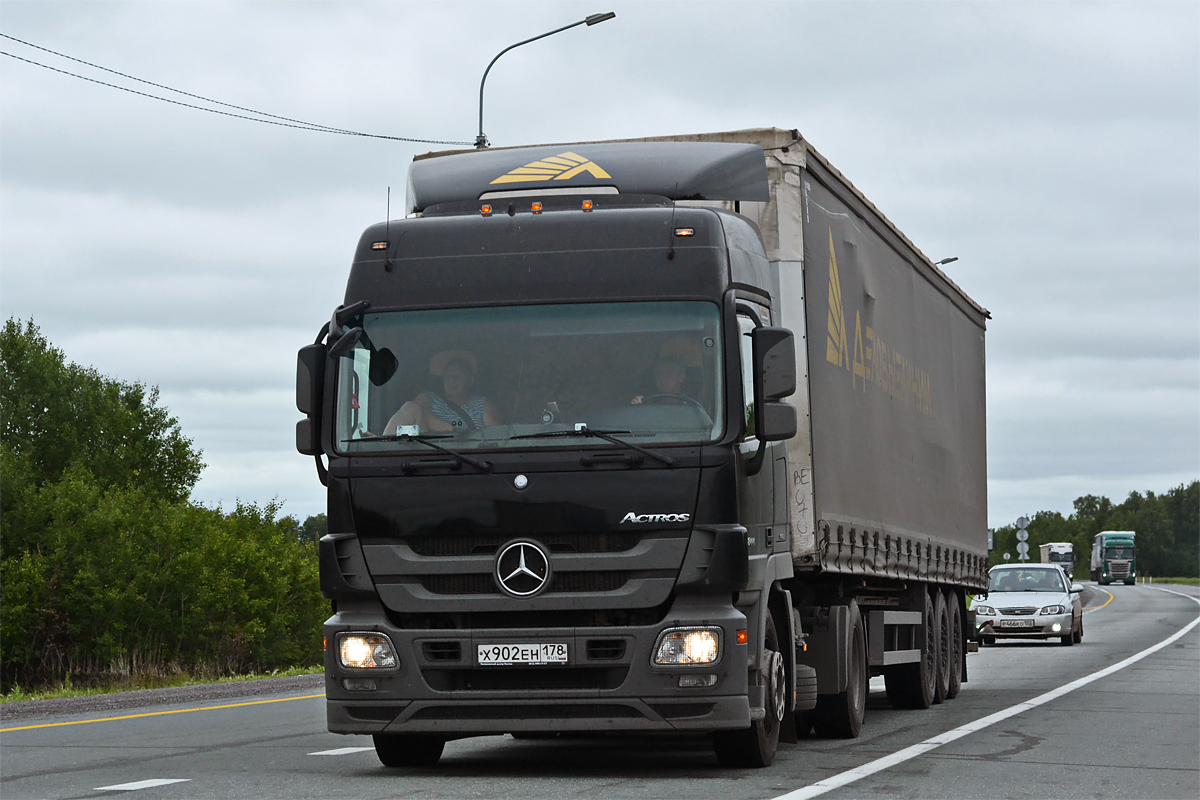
<point x="755" y="746"/>
<point x="408" y="749"/>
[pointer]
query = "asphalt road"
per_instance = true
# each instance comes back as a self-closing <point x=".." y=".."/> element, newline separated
<point x="1033" y="721"/>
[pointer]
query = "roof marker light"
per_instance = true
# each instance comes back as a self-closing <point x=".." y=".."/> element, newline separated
<point x="536" y="207"/>
<point x="379" y="245"/>
<point x="486" y="209"/>
<point x="587" y="205"/>
<point x="685" y="231"/>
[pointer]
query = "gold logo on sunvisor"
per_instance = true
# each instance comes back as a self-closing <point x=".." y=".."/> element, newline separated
<point x="561" y="167"/>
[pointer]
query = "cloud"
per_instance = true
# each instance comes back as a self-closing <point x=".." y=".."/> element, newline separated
<point x="1051" y="147"/>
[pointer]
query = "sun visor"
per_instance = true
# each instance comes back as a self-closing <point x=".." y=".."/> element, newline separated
<point x="675" y="170"/>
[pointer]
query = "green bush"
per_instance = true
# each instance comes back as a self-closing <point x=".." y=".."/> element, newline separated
<point x="106" y="569"/>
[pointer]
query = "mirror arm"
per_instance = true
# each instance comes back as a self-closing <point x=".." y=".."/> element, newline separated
<point x="756" y="461"/>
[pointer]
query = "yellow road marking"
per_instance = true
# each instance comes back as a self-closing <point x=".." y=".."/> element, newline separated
<point x="160" y="713"/>
<point x="1106" y="602"/>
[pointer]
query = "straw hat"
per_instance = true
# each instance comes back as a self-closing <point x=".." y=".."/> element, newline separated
<point x="437" y="365"/>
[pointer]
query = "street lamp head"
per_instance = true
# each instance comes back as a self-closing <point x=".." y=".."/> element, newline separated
<point x="481" y="141"/>
<point x="945" y="261"/>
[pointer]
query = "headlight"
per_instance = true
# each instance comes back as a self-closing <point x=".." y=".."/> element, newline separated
<point x="984" y="611"/>
<point x="366" y="651"/>
<point x="1053" y="610"/>
<point x="687" y="646"/>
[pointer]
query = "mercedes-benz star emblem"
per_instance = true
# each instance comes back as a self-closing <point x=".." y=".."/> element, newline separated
<point x="522" y="568"/>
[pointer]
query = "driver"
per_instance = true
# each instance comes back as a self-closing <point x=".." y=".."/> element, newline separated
<point x="455" y="408"/>
<point x="669" y="375"/>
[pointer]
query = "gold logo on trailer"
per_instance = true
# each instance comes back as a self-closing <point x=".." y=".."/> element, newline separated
<point x="873" y="362"/>
<point x="561" y="167"/>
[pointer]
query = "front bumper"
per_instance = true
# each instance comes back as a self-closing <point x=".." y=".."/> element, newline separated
<point x="608" y="684"/>
<point x="1043" y="626"/>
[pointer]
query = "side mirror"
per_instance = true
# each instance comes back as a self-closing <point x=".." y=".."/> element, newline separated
<point x="310" y="378"/>
<point x="774" y="354"/>
<point x="1076" y="588"/>
<point x="310" y="391"/>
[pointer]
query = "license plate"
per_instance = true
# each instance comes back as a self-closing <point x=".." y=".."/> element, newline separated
<point x="1016" y="623"/>
<point x="523" y="654"/>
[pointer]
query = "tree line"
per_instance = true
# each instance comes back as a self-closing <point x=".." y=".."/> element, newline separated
<point x="1167" y="527"/>
<point x="107" y="570"/>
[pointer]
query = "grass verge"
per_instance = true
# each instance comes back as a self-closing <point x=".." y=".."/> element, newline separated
<point x="18" y="694"/>
<point x="1180" y="581"/>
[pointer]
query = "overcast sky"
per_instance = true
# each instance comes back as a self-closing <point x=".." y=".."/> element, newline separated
<point x="1053" y="147"/>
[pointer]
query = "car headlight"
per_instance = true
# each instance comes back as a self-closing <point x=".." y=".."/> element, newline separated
<point x="687" y="646"/>
<point x="984" y="611"/>
<point x="1053" y="610"/>
<point x="366" y="651"/>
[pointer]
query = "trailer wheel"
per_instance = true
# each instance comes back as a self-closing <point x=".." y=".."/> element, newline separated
<point x="408" y="749"/>
<point x="941" y="627"/>
<point x="956" y="644"/>
<point x="914" y="685"/>
<point x="840" y="716"/>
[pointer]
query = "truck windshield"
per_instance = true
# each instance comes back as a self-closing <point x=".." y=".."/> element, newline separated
<point x="1118" y="552"/>
<point x="486" y="378"/>
<point x="1061" y="557"/>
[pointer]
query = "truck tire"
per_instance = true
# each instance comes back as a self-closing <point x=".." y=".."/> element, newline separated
<point x="755" y="746"/>
<point x="840" y="716"/>
<point x="941" y="627"/>
<point x="408" y="749"/>
<point x="957" y="650"/>
<point x="914" y="685"/>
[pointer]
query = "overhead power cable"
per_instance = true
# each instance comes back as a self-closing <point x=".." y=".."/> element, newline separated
<point x="271" y="119"/>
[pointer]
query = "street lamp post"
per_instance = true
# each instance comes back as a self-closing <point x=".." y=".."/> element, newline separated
<point x="592" y="19"/>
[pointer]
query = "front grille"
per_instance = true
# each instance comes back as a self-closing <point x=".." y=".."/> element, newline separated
<point x="1018" y="612"/>
<point x="442" y="651"/>
<point x="1118" y="570"/>
<point x="529" y="711"/>
<point x="509" y="679"/>
<point x="447" y="545"/>
<point x="480" y="583"/>
<point x="605" y="649"/>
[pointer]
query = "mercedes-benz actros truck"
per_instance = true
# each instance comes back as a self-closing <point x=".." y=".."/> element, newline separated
<point x="676" y="434"/>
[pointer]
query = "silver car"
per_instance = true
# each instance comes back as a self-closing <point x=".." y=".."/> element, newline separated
<point x="1030" y="601"/>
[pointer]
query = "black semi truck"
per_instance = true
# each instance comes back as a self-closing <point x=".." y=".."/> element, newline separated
<point x="665" y="435"/>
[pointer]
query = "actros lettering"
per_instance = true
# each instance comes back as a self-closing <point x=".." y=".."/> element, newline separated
<point x="633" y="517"/>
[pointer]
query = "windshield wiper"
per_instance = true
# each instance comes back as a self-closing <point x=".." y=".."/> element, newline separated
<point x="425" y="439"/>
<point x="581" y="429"/>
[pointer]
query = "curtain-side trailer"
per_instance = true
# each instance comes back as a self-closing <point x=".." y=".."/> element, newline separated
<point x="651" y="435"/>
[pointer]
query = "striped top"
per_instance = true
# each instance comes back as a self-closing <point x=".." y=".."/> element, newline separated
<point x="449" y="412"/>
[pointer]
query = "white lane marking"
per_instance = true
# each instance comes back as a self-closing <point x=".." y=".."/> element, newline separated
<point x="908" y="753"/>
<point x="341" y="751"/>
<point x="133" y="787"/>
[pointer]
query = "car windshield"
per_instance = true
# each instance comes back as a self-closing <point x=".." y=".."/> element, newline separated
<point x="1026" y="580"/>
<point x="532" y="376"/>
